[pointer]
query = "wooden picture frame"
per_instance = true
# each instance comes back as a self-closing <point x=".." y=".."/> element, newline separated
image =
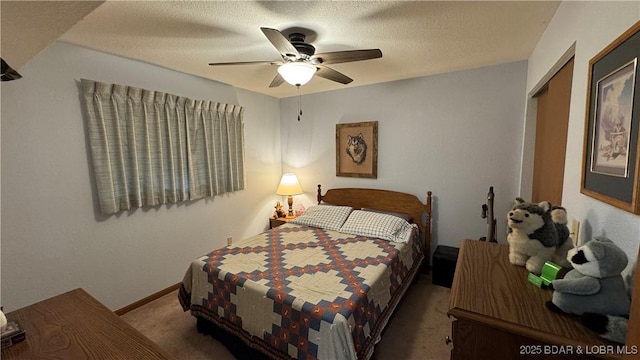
<point x="610" y="164"/>
<point x="357" y="149"/>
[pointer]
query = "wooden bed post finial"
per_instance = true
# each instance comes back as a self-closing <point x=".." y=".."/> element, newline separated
<point x="319" y="195"/>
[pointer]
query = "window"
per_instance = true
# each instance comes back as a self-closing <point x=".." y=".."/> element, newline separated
<point x="151" y="148"/>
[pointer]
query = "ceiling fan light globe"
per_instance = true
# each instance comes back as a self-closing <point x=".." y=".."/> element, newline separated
<point x="297" y="73"/>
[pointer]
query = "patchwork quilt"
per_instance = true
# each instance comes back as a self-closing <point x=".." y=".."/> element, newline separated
<point x="303" y="292"/>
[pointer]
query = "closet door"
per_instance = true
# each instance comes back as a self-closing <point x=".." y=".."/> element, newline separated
<point x="552" y="124"/>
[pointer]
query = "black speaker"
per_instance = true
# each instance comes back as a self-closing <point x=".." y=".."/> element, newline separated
<point x="444" y="265"/>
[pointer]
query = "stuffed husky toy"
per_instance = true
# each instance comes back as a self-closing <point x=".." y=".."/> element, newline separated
<point x="595" y="285"/>
<point x="565" y="243"/>
<point x="534" y="237"/>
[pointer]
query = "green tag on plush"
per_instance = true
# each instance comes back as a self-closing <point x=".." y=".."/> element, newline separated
<point x="535" y="280"/>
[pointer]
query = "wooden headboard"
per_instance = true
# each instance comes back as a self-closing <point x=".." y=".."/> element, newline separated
<point x="385" y="200"/>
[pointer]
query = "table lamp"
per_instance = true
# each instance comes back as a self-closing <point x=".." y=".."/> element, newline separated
<point x="289" y="186"/>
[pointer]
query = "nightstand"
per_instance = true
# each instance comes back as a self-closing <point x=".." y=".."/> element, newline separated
<point x="279" y="221"/>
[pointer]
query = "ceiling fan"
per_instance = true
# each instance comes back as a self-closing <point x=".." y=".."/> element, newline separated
<point x="300" y="62"/>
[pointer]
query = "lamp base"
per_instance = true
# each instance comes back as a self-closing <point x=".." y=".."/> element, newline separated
<point x="290" y="202"/>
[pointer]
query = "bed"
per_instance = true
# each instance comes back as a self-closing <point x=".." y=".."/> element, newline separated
<point x="322" y="286"/>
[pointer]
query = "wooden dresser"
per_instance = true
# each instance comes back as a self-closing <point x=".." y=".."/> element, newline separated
<point x="498" y="314"/>
<point x="76" y="326"/>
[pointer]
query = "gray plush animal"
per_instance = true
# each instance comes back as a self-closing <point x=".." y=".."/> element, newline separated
<point x="610" y="327"/>
<point x="595" y="285"/>
<point x="532" y="236"/>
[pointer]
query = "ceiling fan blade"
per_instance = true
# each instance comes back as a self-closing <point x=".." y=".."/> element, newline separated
<point x="247" y="63"/>
<point x="337" y="57"/>
<point x="277" y="81"/>
<point x="281" y="43"/>
<point x="333" y="75"/>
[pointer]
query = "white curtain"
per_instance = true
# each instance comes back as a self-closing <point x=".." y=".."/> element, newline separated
<point x="215" y="138"/>
<point x="151" y="148"/>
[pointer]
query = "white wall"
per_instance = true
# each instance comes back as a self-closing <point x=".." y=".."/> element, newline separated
<point x="592" y="26"/>
<point x="54" y="240"/>
<point x="455" y="134"/>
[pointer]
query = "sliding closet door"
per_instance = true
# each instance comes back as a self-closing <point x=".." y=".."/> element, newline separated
<point x="552" y="124"/>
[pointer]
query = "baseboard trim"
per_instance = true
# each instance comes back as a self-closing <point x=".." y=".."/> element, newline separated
<point x="147" y="300"/>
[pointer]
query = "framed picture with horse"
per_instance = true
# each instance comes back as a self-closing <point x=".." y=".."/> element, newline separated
<point x="357" y="149"/>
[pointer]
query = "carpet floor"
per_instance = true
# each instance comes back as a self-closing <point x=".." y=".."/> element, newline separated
<point x="417" y="330"/>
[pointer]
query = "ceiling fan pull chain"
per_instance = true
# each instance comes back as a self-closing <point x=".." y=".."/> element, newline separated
<point x="299" y="103"/>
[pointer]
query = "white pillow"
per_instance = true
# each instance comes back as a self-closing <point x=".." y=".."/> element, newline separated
<point x="324" y="216"/>
<point x="378" y="225"/>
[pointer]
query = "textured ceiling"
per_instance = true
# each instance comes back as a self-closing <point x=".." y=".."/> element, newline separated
<point x="27" y="27"/>
<point x="416" y="38"/>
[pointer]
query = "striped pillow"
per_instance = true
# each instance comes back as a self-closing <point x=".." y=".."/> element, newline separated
<point x="324" y="216"/>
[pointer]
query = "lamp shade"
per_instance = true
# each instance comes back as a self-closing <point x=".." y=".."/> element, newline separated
<point x="297" y="73"/>
<point x="289" y="185"/>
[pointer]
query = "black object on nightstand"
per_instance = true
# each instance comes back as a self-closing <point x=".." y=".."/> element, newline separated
<point x="444" y="265"/>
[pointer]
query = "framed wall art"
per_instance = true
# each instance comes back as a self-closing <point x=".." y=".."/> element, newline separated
<point x="357" y="149"/>
<point x="610" y="166"/>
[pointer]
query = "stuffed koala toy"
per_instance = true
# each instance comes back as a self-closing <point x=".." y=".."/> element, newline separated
<point x="534" y="237"/>
<point x="595" y="285"/>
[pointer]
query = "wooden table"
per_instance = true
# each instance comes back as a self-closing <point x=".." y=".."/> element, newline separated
<point x="498" y="314"/>
<point x="75" y="325"/>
